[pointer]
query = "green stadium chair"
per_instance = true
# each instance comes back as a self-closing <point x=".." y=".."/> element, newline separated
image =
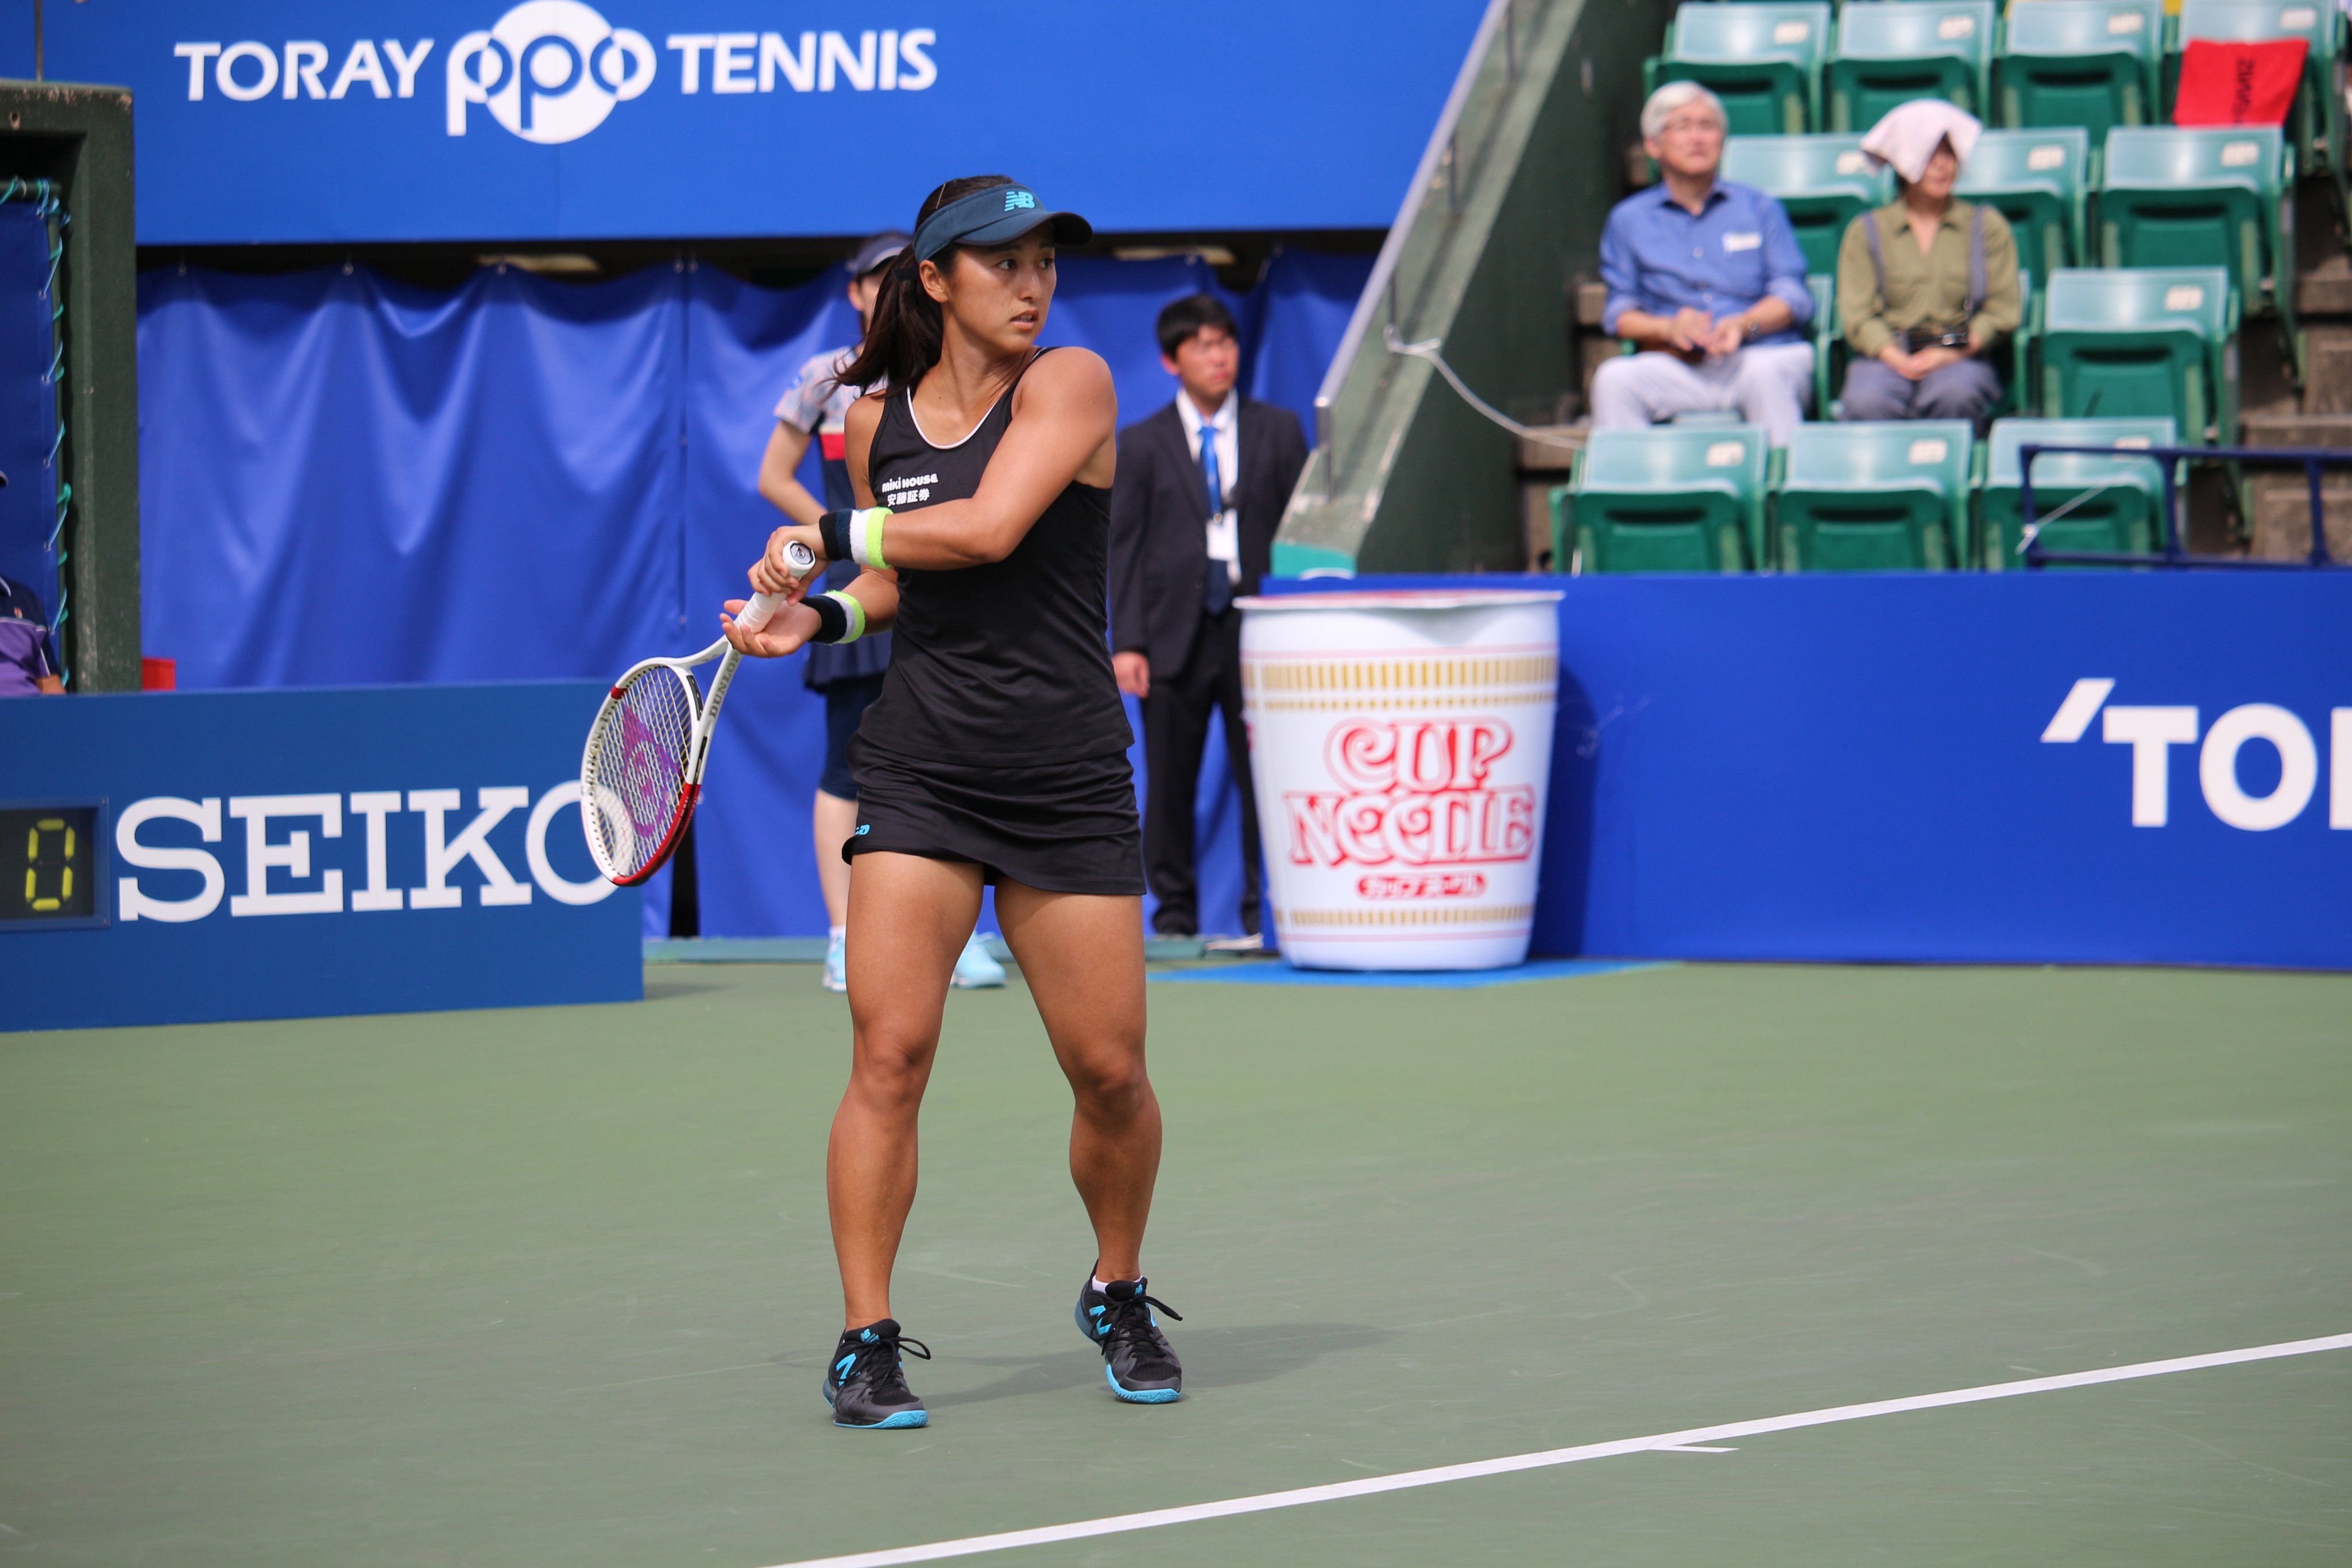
<point x="2201" y="196"/>
<point x="1821" y="182"/>
<point x="1888" y="54"/>
<point x="2035" y="179"/>
<point x="1828" y="344"/>
<point x="2111" y="504"/>
<point x="2206" y="196"/>
<point x="1669" y="498"/>
<point x="2156" y="342"/>
<point x="1876" y="497"/>
<point x="2091" y="63"/>
<point x="2318" y="120"/>
<point x="1763" y="60"/>
<point x="2018" y="391"/>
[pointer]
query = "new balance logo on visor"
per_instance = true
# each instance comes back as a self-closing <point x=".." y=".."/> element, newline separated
<point x="1016" y="200"/>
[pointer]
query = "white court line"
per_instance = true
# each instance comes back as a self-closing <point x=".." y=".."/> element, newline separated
<point x="1119" y="1524"/>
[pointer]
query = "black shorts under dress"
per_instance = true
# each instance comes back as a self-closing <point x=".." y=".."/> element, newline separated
<point x="999" y="739"/>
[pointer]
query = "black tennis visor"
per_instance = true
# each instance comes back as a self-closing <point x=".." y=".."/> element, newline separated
<point x="997" y="215"/>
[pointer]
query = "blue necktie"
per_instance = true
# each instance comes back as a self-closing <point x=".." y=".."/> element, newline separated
<point x="1220" y="594"/>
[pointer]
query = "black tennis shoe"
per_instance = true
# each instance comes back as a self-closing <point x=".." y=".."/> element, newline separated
<point x="1137" y="1361"/>
<point x="865" y="1385"/>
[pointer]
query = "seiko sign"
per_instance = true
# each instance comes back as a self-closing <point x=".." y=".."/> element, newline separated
<point x="2151" y="732"/>
<point x="552" y="71"/>
<point x="278" y="837"/>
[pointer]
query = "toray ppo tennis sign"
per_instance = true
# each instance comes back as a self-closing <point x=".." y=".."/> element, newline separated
<point x="1407" y="740"/>
<point x="550" y="71"/>
<point x="288" y="122"/>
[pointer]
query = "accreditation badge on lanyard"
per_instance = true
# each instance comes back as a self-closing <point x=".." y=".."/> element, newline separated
<point x="1226" y="538"/>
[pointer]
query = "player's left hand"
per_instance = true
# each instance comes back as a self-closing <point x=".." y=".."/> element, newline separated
<point x="786" y="633"/>
<point x="773" y="574"/>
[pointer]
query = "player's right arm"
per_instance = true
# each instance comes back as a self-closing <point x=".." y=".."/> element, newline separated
<point x="876" y="592"/>
<point x="787" y="445"/>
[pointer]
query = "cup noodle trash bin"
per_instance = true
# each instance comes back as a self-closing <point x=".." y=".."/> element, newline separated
<point x="1400" y="744"/>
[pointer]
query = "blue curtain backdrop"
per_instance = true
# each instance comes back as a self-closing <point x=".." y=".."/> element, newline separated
<point x="347" y="481"/>
<point x="28" y="404"/>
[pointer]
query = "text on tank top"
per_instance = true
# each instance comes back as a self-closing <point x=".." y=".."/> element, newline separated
<point x="1006" y="663"/>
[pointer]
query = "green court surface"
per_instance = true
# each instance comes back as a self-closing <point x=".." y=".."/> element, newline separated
<point x="553" y="1287"/>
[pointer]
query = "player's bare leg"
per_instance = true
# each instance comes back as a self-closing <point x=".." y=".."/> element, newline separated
<point x="1083" y="957"/>
<point x="909" y="915"/>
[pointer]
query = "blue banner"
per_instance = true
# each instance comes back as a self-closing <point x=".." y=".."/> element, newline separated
<point x="288" y="121"/>
<point x="2080" y="767"/>
<point x="348" y="481"/>
<point x="186" y="857"/>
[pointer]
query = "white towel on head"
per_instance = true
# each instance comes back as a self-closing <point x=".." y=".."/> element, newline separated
<point x="1908" y="134"/>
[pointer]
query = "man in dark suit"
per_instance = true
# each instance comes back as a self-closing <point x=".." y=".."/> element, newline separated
<point x="1202" y="486"/>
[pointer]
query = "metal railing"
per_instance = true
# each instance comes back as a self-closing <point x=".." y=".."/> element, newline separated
<point x="1441" y="159"/>
<point x="2167" y="459"/>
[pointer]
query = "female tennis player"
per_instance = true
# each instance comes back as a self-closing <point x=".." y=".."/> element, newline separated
<point x="995" y="756"/>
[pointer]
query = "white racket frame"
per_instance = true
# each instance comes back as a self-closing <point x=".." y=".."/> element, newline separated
<point x="757" y="613"/>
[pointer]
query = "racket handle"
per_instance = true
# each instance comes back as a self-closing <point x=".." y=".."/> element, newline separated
<point x="763" y="607"/>
<point x="759" y="611"/>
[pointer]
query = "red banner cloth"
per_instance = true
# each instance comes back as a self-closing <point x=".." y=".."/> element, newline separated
<point x="2238" y="84"/>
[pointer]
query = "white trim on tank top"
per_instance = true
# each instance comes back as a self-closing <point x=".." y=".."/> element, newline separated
<point x="917" y="419"/>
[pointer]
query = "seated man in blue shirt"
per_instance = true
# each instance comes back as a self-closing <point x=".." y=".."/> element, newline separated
<point x="1705" y="278"/>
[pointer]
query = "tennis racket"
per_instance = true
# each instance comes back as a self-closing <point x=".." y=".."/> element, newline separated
<point x="641" y="775"/>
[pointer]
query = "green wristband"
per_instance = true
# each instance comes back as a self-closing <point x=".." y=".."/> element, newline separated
<point x="855" y="612"/>
<point x="865" y="537"/>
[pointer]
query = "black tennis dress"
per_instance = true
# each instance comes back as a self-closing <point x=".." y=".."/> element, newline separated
<point x="999" y="738"/>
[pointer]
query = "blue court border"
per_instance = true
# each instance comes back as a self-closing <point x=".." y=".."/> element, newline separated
<point x="1280" y="972"/>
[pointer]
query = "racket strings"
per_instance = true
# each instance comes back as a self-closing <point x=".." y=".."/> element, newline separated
<point x="639" y="782"/>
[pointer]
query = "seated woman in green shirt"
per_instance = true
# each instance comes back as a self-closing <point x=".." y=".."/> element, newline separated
<point x="1926" y="283"/>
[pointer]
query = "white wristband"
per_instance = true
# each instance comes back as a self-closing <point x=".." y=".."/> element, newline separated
<point x="865" y="537"/>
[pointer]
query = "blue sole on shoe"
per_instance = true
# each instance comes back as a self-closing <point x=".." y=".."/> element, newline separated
<point x="904" y="1418"/>
<point x="1142" y="1395"/>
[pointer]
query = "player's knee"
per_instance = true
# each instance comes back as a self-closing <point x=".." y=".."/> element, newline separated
<point x="1110" y="1082"/>
<point x="890" y="1075"/>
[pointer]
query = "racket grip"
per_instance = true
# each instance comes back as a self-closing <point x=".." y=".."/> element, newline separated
<point x="762" y="610"/>
<point x="763" y="607"/>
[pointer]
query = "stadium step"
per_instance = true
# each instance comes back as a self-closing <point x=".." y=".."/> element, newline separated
<point x="2278" y="500"/>
<point x="2327" y="383"/>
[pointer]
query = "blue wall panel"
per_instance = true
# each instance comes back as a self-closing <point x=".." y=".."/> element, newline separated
<point x="1853" y="767"/>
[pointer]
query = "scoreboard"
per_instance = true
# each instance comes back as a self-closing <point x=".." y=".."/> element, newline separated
<point x="52" y="870"/>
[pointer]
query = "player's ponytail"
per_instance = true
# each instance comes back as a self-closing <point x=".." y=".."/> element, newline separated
<point x="903" y="338"/>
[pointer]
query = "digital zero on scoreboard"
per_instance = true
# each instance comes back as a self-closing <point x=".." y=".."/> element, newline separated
<point x="52" y="863"/>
